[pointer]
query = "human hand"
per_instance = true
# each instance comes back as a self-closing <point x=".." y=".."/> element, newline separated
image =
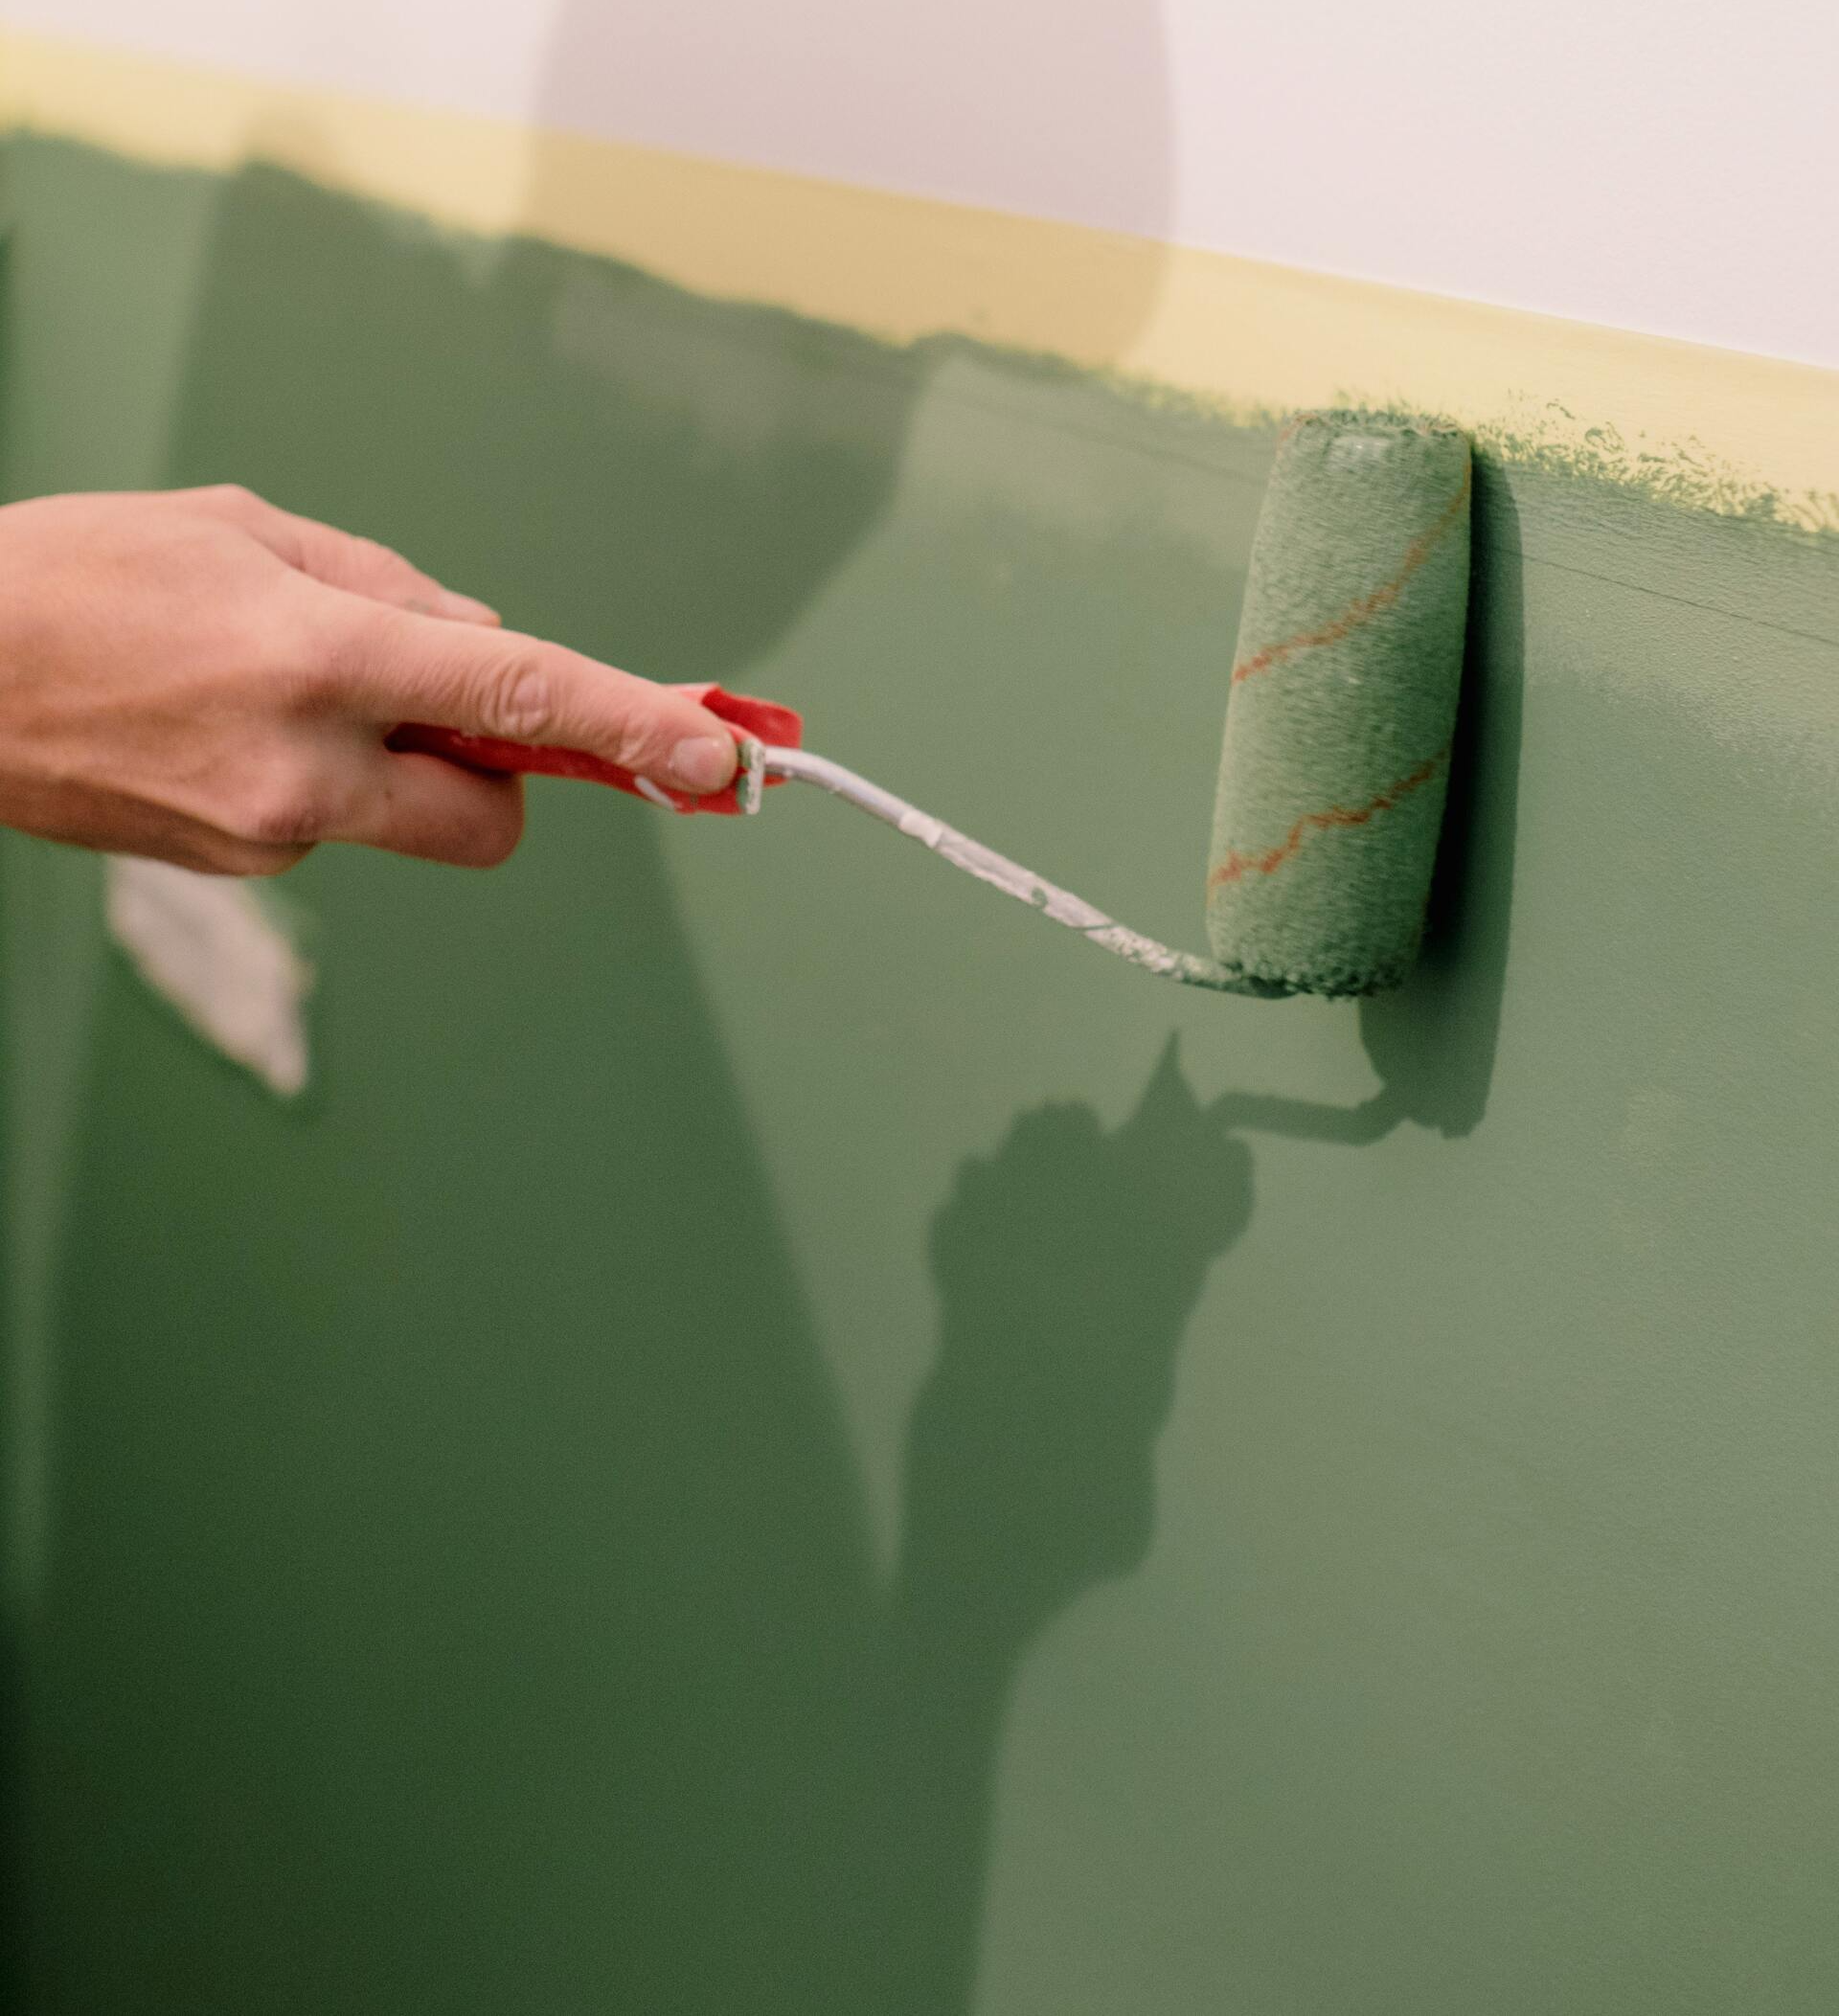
<point x="202" y="678"/>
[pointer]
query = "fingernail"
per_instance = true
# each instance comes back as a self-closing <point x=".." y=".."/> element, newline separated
<point x="705" y="763"/>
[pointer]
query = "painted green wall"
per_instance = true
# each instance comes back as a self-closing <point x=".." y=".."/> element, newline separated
<point x="777" y="1437"/>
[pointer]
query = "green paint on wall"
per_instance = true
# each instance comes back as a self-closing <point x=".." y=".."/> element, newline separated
<point x="780" y="1438"/>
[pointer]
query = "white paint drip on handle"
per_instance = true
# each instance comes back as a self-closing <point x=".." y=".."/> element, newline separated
<point x="212" y="948"/>
<point x="998" y="870"/>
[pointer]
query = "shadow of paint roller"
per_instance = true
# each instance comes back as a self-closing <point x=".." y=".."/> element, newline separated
<point x="1335" y="758"/>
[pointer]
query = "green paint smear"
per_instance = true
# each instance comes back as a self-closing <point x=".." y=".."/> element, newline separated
<point x="1687" y="475"/>
<point x="1541" y="438"/>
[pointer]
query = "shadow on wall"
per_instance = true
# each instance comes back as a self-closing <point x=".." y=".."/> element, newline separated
<point x="1068" y="1268"/>
<point x="527" y="1560"/>
<point x="563" y="1615"/>
<point x="531" y="1640"/>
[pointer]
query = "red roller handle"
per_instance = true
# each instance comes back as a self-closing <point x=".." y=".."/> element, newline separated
<point x="761" y="719"/>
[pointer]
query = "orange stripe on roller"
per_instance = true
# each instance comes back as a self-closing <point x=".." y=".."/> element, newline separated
<point x="1236" y="866"/>
<point x="1367" y="607"/>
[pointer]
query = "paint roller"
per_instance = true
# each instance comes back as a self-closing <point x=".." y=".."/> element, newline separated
<point x="1336" y="751"/>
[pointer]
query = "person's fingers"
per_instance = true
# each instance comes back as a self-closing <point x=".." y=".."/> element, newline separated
<point x="342" y="559"/>
<point x="391" y="667"/>
<point x="437" y="811"/>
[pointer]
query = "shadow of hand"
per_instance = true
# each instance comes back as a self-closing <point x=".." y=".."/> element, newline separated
<point x="1068" y="1267"/>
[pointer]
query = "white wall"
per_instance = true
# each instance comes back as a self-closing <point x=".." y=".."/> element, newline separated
<point x="1659" y="165"/>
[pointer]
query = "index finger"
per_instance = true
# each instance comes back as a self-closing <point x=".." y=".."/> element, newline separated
<point x="340" y="559"/>
<point x="393" y="665"/>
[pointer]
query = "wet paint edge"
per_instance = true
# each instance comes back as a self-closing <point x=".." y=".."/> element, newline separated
<point x="1710" y="429"/>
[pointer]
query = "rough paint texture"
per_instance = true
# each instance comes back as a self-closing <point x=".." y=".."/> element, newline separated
<point x="762" y="1443"/>
<point x="1337" y="753"/>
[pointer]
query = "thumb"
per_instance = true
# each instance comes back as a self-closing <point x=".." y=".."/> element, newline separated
<point x="390" y="665"/>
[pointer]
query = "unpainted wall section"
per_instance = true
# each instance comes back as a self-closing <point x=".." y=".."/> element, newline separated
<point x="1649" y="167"/>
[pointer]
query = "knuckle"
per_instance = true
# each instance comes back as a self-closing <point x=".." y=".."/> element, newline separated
<point x="235" y="499"/>
<point x="319" y="647"/>
<point x="283" y="806"/>
<point x="378" y="561"/>
<point x="643" y="744"/>
<point x="518" y="700"/>
<point x="319" y="654"/>
<point x="295" y="659"/>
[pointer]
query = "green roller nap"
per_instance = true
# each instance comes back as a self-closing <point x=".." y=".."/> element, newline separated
<point x="1336" y="754"/>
